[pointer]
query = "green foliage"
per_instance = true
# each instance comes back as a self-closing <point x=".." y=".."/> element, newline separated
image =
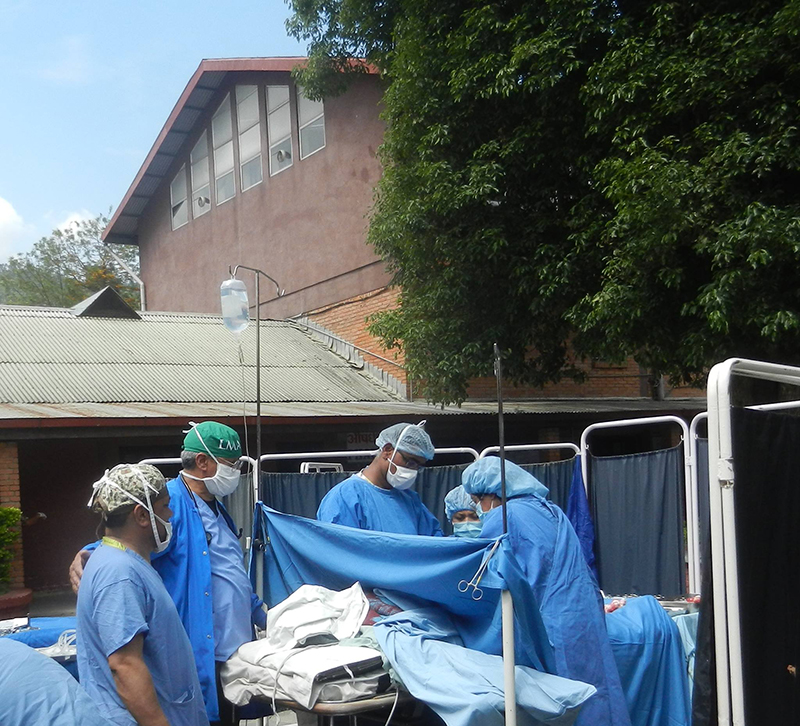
<point x="607" y="177"/>
<point x="67" y="267"/>
<point x="9" y="531"/>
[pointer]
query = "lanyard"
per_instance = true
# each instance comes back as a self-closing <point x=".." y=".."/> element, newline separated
<point x="113" y="543"/>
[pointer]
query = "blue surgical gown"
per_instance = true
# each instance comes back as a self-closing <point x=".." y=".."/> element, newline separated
<point x="548" y="550"/>
<point x="231" y="591"/>
<point x="121" y="596"/>
<point x="357" y="503"/>
<point x="36" y="691"/>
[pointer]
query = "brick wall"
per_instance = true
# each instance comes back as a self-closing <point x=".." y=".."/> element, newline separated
<point x="9" y="497"/>
<point x="348" y="320"/>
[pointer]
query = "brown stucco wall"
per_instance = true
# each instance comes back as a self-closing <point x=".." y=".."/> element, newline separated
<point x="306" y="226"/>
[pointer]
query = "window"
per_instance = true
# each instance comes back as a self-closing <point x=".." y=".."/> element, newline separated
<point x="222" y="138"/>
<point x="201" y="188"/>
<point x="279" y="125"/>
<point x="177" y="198"/>
<point x="311" y="119"/>
<point x="249" y="128"/>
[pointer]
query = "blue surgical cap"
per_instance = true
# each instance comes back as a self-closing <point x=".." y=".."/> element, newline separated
<point x="457" y="500"/>
<point x="483" y="477"/>
<point x="412" y="439"/>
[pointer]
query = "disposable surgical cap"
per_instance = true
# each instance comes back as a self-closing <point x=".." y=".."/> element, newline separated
<point x="483" y="477"/>
<point x="213" y="438"/>
<point x="130" y="479"/>
<point x="457" y="500"/>
<point x="414" y="439"/>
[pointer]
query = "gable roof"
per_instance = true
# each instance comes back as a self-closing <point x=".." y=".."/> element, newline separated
<point x="50" y="356"/>
<point x="106" y="303"/>
<point x="170" y="142"/>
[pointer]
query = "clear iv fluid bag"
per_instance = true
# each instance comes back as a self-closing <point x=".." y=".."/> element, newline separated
<point x="235" y="314"/>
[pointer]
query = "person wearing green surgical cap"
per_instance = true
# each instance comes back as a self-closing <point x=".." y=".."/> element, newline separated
<point x="203" y="565"/>
<point x="379" y="497"/>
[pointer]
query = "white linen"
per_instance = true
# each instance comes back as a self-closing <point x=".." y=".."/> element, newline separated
<point x="274" y="667"/>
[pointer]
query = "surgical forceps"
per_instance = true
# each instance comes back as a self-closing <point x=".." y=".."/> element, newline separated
<point x="477" y="592"/>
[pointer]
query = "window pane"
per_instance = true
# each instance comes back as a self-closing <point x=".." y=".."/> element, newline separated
<point x="250" y="143"/>
<point x="280" y="156"/>
<point x="251" y="172"/>
<point x="177" y="189"/>
<point x="200" y="150"/>
<point x="277" y="96"/>
<point x="306" y="108"/>
<point x="279" y="125"/>
<point x="225" y="188"/>
<point x="201" y="201"/>
<point x="312" y="137"/>
<point x="223" y="159"/>
<point x="244" y="92"/>
<point x="180" y="214"/>
<point x="247" y="109"/>
<point x="200" y="174"/>
<point x="221" y="127"/>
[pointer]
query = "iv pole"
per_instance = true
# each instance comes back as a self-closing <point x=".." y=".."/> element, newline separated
<point x="257" y="468"/>
<point x="507" y="604"/>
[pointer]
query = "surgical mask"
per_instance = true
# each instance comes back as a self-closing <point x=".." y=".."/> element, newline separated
<point x="467" y="529"/>
<point x="161" y="545"/>
<point x="403" y="477"/>
<point x="482" y="515"/>
<point x="224" y="482"/>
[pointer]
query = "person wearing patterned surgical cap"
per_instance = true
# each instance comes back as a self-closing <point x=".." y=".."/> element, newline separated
<point x="202" y="566"/>
<point x="134" y="657"/>
<point x="379" y="497"/>
<point x="462" y="513"/>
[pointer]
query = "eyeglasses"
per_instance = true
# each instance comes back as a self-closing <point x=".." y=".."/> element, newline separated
<point x="408" y="462"/>
<point x="239" y="464"/>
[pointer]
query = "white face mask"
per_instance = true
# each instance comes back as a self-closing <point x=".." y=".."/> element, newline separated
<point x="403" y="477"/>
<point x="224" y="482"/>
<point x="161" y="544"/>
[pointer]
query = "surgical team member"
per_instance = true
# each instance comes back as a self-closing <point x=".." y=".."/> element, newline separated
<point x="134" y="657"/>
<point x="37" y="691"/>
<point x="548" y="550"/>
<point x="379" y="497"/>
<point x="462" y="512"/>
<point x="203" y="568"/>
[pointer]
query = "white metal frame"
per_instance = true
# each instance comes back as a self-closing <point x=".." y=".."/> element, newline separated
<point x="690" y="482"/>
<point x="529" y="447"/>
<point x="727" y="623"/>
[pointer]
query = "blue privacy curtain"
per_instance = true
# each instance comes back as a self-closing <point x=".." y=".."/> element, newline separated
<point x="638" y="511"/>
<point x="300" y="494"/>
<point x="702" y="493"/>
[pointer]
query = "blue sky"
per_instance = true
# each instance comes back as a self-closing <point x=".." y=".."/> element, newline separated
<point x="86" y="86"/>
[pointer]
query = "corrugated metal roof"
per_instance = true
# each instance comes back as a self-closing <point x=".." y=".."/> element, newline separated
<point x="49" y="356"/>
<point x="186" y="411"/>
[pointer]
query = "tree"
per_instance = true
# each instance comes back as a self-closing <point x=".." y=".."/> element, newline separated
<point x="68" y="266"/>
<point x="599" y="178"/>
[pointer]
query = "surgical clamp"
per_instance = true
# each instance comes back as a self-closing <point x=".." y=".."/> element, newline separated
<point x="477" y="592"/>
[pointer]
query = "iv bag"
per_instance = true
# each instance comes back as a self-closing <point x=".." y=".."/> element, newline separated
<point x="233" y="297"/>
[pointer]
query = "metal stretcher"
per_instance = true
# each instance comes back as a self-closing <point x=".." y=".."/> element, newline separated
<point x="407" y="711"/>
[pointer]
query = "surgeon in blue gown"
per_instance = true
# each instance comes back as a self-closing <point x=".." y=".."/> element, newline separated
<point x="548" y="550"/>
<point x="379" y="497"/>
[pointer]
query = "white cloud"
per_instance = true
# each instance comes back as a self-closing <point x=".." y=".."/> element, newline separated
<point x="72" y="65"/>
<point x="15" y="234"/>
<point x="73" y="218"/>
